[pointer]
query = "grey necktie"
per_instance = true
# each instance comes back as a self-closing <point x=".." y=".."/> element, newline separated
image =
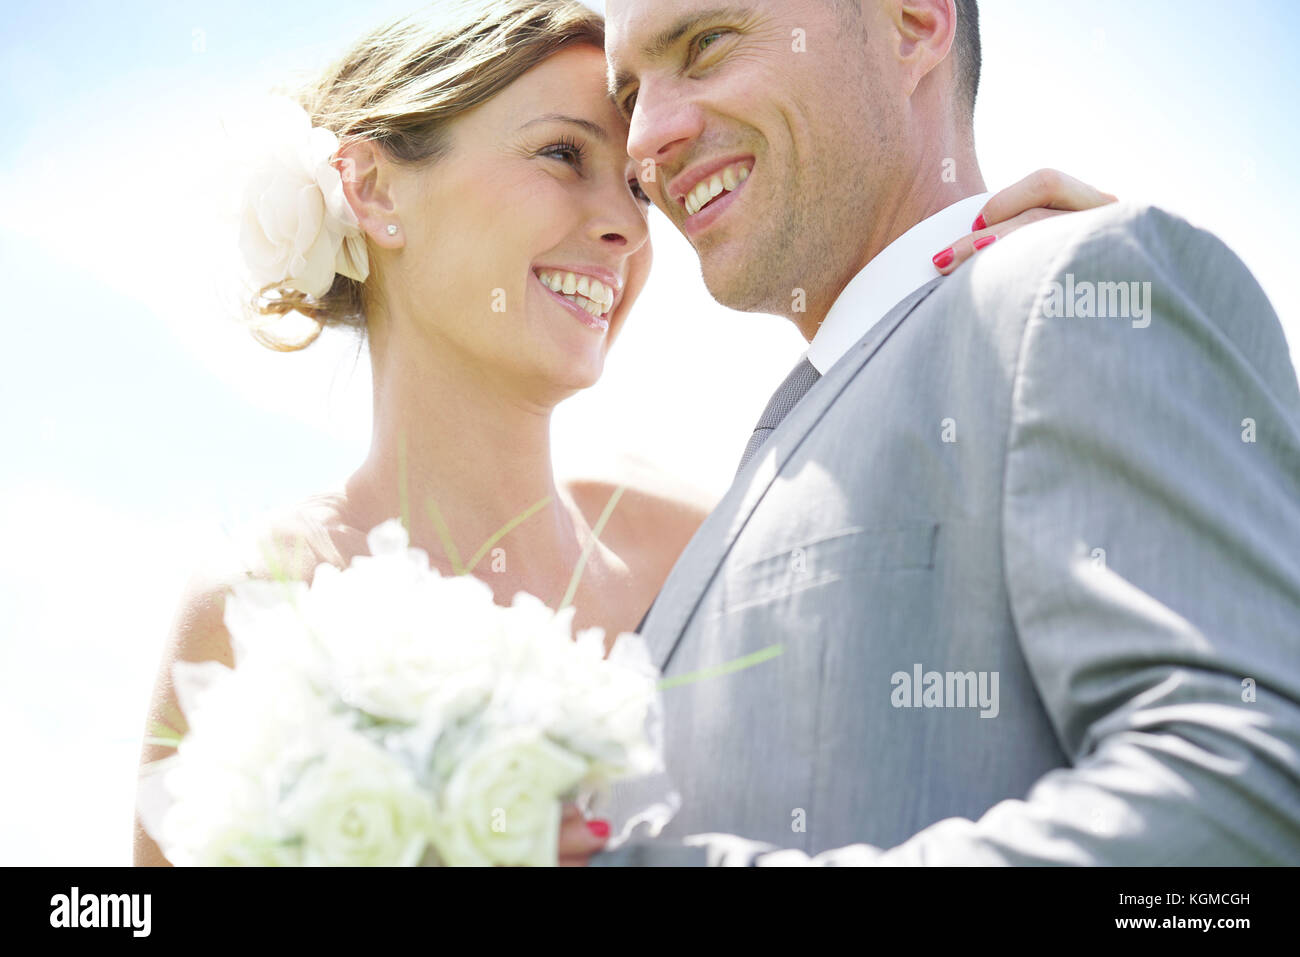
<point x="795" y="387"/>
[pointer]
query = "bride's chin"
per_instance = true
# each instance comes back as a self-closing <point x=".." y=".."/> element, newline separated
<point x="583" y="377"/>
<point x="578" y="361"/>
<point x="562" y="357"/>
<point x="567" y="374"/>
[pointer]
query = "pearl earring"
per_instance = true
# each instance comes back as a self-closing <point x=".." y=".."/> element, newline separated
<point x="392" y="230"/>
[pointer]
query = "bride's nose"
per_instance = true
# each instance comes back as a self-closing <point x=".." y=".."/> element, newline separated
<point x="619" y="221"/>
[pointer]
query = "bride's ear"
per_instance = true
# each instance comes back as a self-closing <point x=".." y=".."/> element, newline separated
<point x="368" y="189"/>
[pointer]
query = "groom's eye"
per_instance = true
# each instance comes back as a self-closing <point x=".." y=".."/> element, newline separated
<point x="705" y="40"/>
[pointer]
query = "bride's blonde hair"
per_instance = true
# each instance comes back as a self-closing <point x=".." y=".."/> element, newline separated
<point x="401" y="85"/>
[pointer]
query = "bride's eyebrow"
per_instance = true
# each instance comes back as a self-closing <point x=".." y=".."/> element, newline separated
<point x="593" y="129"/>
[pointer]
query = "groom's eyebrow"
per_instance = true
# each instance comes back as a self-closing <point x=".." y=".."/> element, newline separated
<point x="594" y="129"/>
<point x="663" y="41"/>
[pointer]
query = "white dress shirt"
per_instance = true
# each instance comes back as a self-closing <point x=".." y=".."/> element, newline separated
<point x="898" y="270"/>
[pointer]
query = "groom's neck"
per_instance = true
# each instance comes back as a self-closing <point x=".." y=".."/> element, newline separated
<point x="941" y="176"/>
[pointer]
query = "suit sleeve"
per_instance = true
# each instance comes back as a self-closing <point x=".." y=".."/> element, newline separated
<point x="1151" y="528"/>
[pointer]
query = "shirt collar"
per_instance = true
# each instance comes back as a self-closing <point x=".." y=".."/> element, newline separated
<point x="899" y="269"/>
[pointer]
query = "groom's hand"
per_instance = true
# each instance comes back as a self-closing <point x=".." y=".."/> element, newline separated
<point x="579" y="837"/>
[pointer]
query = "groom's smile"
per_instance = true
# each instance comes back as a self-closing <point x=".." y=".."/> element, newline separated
<point x="707" y="190"/>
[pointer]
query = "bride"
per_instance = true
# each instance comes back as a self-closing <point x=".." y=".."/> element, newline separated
<point x="493" y="237"/>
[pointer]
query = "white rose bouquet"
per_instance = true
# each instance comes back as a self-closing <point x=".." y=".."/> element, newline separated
<point x="388" y="715"/>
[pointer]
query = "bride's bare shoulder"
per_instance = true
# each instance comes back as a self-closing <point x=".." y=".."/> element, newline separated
<point x="657" y="514"/>
<point x="289" y="541"/>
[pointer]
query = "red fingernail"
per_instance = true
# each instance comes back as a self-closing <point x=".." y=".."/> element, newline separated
<point x="986" y="241"/>
<point x="979" y="224"/>
<point x="944" y="259"/>
<point x="598" y="828"/>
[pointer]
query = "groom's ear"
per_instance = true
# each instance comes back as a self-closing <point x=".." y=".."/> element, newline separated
<point x="924" y="35"/>
<point x="368" y="189"/>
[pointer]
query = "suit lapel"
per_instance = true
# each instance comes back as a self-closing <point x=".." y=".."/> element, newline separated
<point x="702" y="560"/>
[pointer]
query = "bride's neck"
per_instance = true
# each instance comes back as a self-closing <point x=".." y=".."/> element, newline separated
<point x="467" y="441"/>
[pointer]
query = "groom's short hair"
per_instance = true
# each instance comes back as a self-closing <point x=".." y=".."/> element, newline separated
<point x="968" y="52"/>
<point x="966" y="44"/>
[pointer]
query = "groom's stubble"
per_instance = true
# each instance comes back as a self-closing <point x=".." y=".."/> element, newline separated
<point x="839" y="176"/>
<point x="811" y="237"/>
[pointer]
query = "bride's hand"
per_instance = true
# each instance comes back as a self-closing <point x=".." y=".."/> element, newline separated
<point x="1044" y="193"/>
<point x="578" y="838"/>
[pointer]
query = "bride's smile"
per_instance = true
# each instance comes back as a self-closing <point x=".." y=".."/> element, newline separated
<point x="577" y="289"/>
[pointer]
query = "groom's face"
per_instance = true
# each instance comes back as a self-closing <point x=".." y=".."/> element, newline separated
<point x="773" y="114"/>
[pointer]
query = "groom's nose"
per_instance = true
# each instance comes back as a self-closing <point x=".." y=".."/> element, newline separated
<point x="664" y="125"/>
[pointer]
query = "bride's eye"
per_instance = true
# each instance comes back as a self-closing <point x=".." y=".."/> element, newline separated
<point x="566" y="150"/>
<point x="638" y="192"/>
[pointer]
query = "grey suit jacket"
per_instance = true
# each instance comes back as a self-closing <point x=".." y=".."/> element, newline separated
<point x="1034" y="576"/>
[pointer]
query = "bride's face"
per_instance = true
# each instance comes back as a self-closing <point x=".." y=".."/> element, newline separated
<point x="536" y="191"/>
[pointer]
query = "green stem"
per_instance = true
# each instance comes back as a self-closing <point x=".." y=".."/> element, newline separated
<point x="505" y="530"/>
<point x="403" y="494"/>
<point x="444" y="533"/>
<point x="748" y="661"/>
<point x="586" y="551"/>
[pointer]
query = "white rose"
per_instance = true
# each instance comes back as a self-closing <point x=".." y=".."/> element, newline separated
<point x="599" y="708"/>
<point x="603" y="710"/>
<point x="268" y="629"/>
<point x="402" y="642"/>
<point x="359" y="806"/>
<point x="249" y="730"/>
<point x="296" y="227"/>
<point x="236" y="848"/>
<point x="500" y="804"/>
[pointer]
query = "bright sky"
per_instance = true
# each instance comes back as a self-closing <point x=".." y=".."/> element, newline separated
<point x="134" y="420"/>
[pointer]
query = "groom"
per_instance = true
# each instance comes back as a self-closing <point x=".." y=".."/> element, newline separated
<point x="1019" y="548"/>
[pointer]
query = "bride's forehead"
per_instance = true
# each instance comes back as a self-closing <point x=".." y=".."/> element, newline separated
<point x="573" y="84"/>
<point x="576" y="71"/>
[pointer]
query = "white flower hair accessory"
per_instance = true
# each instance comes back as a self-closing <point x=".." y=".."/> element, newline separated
<point x="296" y="228"/>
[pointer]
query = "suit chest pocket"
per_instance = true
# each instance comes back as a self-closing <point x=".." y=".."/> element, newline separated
<point x="827" y="559"/>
